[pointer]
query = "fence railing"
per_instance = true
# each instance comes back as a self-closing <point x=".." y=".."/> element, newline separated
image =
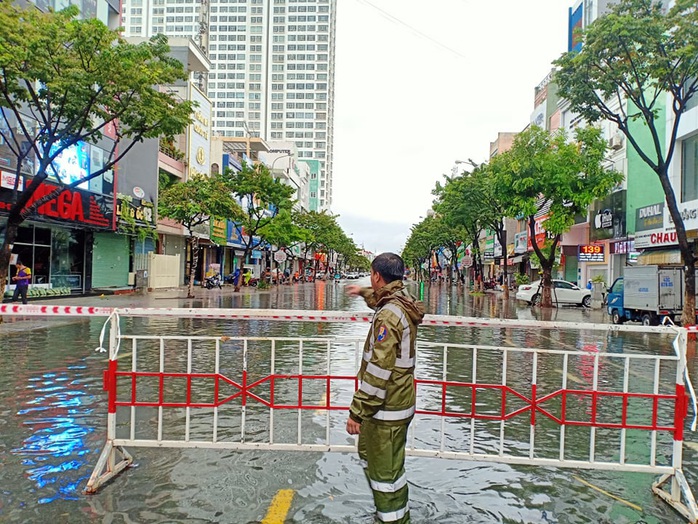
<point x="487" y="393"/>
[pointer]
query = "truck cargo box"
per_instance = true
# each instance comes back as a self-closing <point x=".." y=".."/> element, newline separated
<point x="653" y="288"/>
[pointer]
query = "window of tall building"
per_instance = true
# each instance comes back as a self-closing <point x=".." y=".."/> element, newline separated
<point x="689" y="169"/>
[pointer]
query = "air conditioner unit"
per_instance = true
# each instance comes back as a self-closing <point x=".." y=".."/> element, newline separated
<point x="615" y="142"/>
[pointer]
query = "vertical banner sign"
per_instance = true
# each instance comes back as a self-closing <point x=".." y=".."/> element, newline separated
<point x="199" y="135"/>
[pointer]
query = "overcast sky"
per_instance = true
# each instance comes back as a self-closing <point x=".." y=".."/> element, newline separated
<point x="422" y="84"/>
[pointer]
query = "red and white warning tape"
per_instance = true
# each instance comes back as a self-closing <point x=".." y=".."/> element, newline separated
<point x="305" y="316"/>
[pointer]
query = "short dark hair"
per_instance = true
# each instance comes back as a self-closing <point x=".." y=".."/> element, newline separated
<point x="389" y="266"/>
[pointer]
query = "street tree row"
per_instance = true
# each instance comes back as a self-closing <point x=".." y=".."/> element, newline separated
<point x="262" y="208"/>
<point x="635" y="61"/>
<point x="543" y="173"/>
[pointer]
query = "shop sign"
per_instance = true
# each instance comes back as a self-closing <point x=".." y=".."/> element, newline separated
<point x="591" y="253"/>
<point x="140" y="211"/>
<point x="70" y="205"/>
<point x="655" y="239"/>
<point x="649" y="218"/>
<point x="541" y="233"/>
<point x="520" y="242"/>
<point x="688" y="212"/>
<point x="608" y="217"/>
<point x="7" y="180"/>
<point x="218" y="233"/>
<point x="280" y="256"/>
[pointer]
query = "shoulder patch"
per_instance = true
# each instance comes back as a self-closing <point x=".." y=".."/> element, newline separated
<point x="382" y="333"/>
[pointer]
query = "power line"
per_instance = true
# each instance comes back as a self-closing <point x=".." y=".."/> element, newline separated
<point x="396" y="20"/>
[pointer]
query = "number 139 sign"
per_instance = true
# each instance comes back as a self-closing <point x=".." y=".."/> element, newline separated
<point x="591" y="253"/>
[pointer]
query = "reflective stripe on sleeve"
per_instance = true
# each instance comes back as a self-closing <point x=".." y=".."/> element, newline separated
<point x="390" y="516"/>
<point x="378" y="372"/>
<point x="394" y="415"/>
<point x="372" y="390"/>
<point x="388" y="487"/>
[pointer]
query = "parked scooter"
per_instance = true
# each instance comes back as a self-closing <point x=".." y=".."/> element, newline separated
<point x="213" y="281"/>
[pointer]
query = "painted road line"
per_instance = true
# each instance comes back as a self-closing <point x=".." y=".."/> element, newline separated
<point x="279" y="507"/>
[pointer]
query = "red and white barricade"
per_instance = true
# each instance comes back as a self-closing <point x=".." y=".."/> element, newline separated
<point x="597" y="397"/>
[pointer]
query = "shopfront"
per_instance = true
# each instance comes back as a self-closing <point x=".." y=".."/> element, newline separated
<point x="57" y="243"/>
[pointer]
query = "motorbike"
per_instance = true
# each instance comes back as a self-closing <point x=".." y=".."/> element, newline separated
<point x="213" y="281"/>
<point x="489" y="284"/>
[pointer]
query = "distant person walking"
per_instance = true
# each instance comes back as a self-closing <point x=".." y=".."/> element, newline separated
<point x="384" y="404"/>
<point x="21" y="280"/>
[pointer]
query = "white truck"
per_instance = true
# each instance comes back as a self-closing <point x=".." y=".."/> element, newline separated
<point x="647" y="294"/>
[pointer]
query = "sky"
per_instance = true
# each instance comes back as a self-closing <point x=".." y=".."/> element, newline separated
<point x="418" y="88"/>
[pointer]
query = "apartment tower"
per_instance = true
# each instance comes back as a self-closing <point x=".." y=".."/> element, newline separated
<point x="272" y="73"/>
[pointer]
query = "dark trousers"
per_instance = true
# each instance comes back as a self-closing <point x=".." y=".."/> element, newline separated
<point x="20" y="290"/>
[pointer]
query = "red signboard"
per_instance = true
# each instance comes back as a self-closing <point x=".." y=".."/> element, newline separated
<point x="70" y="205"/>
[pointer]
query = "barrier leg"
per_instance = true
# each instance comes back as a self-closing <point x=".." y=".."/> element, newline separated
<point x="685" y="505"/>
<point x="112" y="461"/>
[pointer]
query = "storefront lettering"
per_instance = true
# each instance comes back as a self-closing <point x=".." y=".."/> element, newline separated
<point x="201" y="124"/>
<point x="651" y="211"/>
<point x="663" y="238"/>
<point x="67" y="205"/>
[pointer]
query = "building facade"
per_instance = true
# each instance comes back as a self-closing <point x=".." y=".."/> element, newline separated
<point x="272" y="72"/>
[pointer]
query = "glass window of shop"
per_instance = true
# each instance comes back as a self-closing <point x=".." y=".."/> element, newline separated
<point x="56" y="256"/>
<point x="689" y="169"/>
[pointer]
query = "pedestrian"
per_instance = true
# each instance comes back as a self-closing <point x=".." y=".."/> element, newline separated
<point x="384" y="404"/>
<point x="21" y="280"/>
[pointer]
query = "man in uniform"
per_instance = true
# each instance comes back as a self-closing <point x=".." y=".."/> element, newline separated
<point x="384" y="404"/>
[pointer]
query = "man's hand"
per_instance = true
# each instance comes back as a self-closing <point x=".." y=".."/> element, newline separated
<point x="352" y="290"/>
<point x="353" y="427"/>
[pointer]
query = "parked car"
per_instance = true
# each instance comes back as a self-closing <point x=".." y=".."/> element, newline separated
<point x="563" y="293"/>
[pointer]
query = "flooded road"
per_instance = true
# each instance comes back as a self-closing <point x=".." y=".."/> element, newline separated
<point x="54" y="414"/>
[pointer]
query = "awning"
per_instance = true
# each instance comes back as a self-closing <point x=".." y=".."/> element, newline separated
<point x="660" y="257"/>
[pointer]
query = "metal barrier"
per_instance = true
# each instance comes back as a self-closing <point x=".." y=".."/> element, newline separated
<point x="490" y="399"/>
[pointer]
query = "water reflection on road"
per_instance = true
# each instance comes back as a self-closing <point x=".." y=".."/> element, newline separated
<point x="53" y="416"/>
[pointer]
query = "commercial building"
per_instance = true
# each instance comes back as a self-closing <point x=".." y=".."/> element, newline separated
<point x="272" y="67"/>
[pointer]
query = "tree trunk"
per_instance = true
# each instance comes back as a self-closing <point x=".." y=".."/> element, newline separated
<point x="547" y="285"/>
<point x="194" y="244"/>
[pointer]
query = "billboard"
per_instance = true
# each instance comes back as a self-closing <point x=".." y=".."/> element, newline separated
<point x="574" y="38"/>
<point x="199" y="135"/>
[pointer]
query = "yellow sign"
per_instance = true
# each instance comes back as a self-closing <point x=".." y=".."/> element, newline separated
<point x="200" y="155"/>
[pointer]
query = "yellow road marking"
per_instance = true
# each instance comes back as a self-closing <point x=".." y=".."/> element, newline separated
<point x="279" y="507"/>
<point x="622" y="501"/>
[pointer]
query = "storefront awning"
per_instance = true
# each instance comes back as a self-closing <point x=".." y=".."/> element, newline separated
<point x="660" y="257"/>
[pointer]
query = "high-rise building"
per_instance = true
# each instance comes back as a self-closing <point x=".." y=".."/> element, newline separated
<point x="272" y="73"/>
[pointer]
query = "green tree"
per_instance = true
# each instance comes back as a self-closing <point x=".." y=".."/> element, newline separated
<point x="193" y="203"/>
<point x="544" y="170"/>
<point x="425" y="238"/>
<point x="460" y="201"/>
<point x="631" y="60"/>
<point x="65" y="81"/>
<point x="283" y="233"/>
<point x="266" y="204"/>
<point x="322" y="233"/>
